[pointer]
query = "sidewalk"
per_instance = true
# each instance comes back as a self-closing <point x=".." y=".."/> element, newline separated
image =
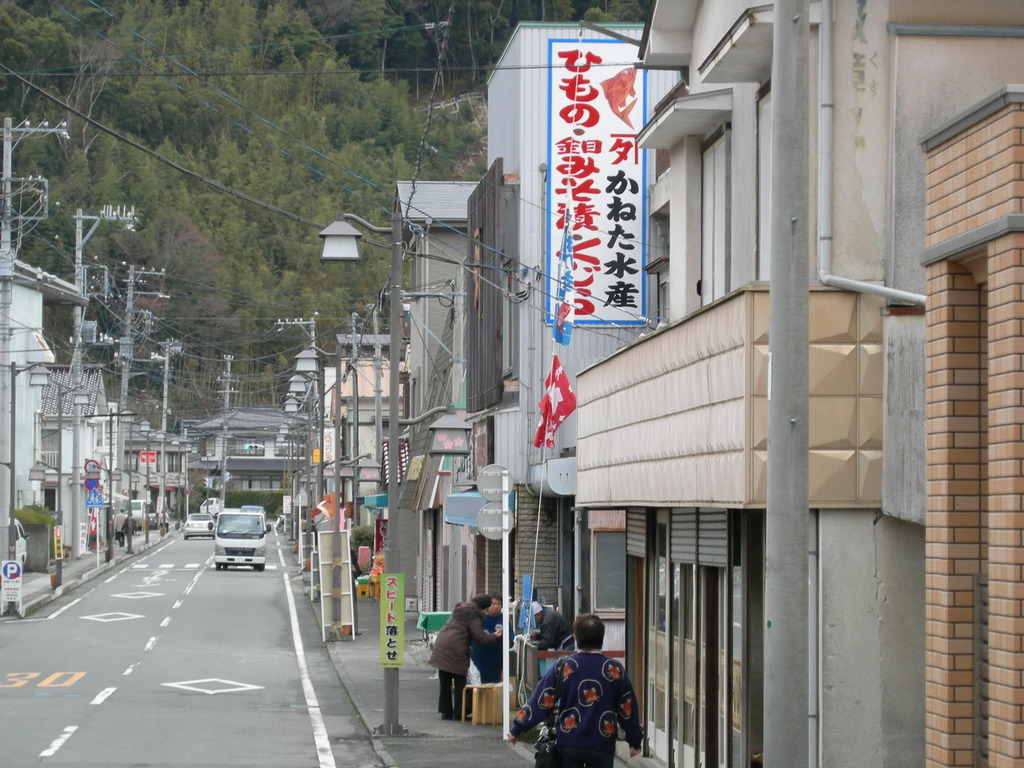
<point x="430" y="741"/>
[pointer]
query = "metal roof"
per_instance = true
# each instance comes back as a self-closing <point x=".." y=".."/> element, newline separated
<point x="436" y="200"/>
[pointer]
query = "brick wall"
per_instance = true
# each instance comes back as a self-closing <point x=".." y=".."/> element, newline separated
<point x="975" y="449"/>
<point x="1005" y="496"/>
<point x="976" y="177"/>
<point x="536" y="543"/>
<point x="954" y="482"/>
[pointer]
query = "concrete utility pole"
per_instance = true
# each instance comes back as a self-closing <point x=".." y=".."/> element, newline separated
<point x="127" y="218"/>
<point x="170" y="348"/>
<point x="224" y="431"/>
<point x="8" y="250"/>
<point x="786" y="678"/>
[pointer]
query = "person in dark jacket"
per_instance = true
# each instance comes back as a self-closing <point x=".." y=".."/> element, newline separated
<point x="451" y="651"/>
<point x="553" y="632"/>
<point x="596" y="698"/>
<point x="487" y="658"/>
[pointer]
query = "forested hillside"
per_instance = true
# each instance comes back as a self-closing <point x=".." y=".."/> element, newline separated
<point x="236" y="129"/>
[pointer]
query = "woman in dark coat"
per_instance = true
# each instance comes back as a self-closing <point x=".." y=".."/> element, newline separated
<point x="451" y="651"/>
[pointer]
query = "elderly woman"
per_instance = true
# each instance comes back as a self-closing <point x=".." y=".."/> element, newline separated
<point x="451" y="651"/>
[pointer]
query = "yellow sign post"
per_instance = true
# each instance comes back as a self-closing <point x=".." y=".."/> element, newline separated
<point x="392" y="614"/>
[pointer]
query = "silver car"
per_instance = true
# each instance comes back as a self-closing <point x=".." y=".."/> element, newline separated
<point x="199" y="524"/>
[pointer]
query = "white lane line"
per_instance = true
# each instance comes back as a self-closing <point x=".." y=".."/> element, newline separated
<point x="320" y="738"/>
<point x="166" y="621"/>
<point x="129" y="670"/>
<point x="150" y="644"/>
<point x="58" y="742"/>
<point x="103" y="695"/>
<point x="59" y="611"/>
<point x="176" y="606"/>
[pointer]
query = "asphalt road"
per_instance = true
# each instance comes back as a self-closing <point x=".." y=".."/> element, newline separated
<point x="168" y="662"/>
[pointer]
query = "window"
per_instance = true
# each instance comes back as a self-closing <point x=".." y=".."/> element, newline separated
<point x="609" y="573"/>
<point x="714" y="258"/>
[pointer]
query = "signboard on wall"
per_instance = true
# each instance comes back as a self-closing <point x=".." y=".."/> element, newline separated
<point x="596" y="187"/>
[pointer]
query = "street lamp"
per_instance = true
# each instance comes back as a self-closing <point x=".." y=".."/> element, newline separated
<point x="340" y="241"/>
<point x="308" y="370"/>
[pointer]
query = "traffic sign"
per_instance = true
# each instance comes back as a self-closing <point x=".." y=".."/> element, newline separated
<point x="493" y="521"/>
<point x="94" y="499"/>
<point x="493" y="482"/>
<point x="10" y="583"/>
<point x="91" y="483"/>
<point x="91" y="465"/>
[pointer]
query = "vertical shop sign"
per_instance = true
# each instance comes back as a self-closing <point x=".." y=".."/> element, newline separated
<point x="596" y="106"/>
<point x="392" y="612"/>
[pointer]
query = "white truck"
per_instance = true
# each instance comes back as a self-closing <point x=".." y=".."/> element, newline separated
<point x="240" y="538"/>
<point x="210" y="507"/>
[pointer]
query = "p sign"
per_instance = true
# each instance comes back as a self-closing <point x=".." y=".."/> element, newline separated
<point x="11" y="569"/>
<point x="10" y="583"/>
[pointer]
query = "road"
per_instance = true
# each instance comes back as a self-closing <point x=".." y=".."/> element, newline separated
<point x="169" y="662"/>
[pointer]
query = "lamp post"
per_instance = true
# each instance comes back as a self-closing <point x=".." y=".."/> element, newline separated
<point x="308" y="370"/>
<point x="340" y="243"/>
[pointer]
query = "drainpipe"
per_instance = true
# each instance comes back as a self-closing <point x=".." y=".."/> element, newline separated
<point x="825" y="115"/>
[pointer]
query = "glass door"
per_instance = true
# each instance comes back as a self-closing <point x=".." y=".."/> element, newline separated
<point x="658" y="645"/>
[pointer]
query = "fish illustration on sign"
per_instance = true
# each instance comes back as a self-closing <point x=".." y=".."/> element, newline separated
<point x="621" y="94"/>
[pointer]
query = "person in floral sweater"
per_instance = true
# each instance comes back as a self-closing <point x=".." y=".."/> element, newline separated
<point x="596" y="699"/>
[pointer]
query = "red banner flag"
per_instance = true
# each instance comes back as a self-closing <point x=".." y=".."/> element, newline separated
<point x="555" y="406"/>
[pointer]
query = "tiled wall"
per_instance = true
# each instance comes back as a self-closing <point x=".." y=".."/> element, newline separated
<point x="975" y="450"/>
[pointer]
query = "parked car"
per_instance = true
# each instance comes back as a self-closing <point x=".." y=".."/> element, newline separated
<point x="20" y="543"/>
<point x="198" y="524"/>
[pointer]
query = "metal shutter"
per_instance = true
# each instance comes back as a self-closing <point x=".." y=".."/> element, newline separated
<point x="683" y="542"/>
<point x="636" y="532"/>
<point x="713" y="537"/>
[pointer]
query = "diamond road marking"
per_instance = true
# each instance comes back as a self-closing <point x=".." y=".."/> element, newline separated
<point x="113" y="617"/>
<point x="139" y="595"/>
<point x="212" y="685"/>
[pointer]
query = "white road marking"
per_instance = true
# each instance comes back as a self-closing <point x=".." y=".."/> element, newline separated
<point x="59" y="611"/>
<point x="176" y="606"/>
<point x="59" y="742"/>
<point x="129" y="670"/>
<point x="103" y="695"/>
<point x="166" y="621"/>
<point x="321" y="740"/>
<point x="150" y="644"/>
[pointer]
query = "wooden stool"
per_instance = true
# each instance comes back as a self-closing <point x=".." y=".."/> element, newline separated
<point x="486" y="701"/>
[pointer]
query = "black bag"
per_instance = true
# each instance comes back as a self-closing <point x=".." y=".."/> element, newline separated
<point x="546" y="754"/>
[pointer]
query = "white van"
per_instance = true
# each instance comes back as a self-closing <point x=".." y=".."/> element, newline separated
<point x="20" y="543"/>
<point x="240" y="538"/>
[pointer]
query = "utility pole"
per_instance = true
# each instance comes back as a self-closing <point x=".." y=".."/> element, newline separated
<point x="8" y="217"/>
<point x="169" y="348"/>
<point x="126" y="217"/>
<point x="224" y="431"/>
<point x="787" y="726"/>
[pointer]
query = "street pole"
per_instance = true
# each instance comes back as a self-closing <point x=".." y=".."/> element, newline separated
<point x="392" y="552"/>
<point x="787" y="726"/>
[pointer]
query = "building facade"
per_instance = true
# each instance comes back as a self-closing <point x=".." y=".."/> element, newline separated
<point x="672" y="429"/>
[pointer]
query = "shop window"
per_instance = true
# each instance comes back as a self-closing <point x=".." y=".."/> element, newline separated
<point x="609" y="573"/>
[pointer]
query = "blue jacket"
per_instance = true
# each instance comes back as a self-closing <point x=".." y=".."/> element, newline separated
<point x="597" y="697"/>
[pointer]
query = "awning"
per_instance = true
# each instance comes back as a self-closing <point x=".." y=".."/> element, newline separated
<point x="462" y="508"/>
<point x="375" y="500"/>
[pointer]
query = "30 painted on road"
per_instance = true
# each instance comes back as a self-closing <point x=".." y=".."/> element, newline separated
<point x="53" y="680"/>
